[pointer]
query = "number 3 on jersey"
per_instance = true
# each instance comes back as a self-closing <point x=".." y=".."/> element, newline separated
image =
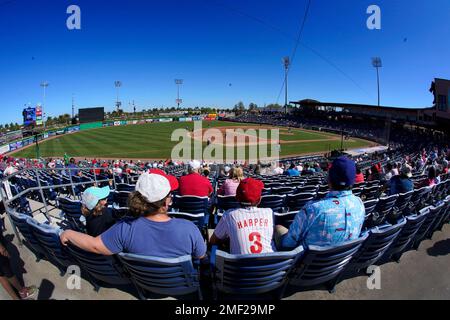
<point x="255" y="237"/>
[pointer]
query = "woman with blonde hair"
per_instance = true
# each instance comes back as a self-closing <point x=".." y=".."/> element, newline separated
<point x="230" y="185"/>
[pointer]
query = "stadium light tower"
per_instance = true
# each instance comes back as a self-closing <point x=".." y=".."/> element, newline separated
<point x="44" y="85"/>
<point x="286" y="63"/>
<point x="118" y="84"/>
<point x="377" y="64"/>
<point x="178" y="82"/>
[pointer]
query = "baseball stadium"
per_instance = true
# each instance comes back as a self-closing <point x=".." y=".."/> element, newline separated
<point x="209" y="201"/>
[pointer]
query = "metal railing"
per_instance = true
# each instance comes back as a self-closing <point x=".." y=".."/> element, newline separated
<point x="7" y="197"/>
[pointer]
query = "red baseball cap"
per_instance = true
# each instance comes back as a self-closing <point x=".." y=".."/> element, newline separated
<point x="249" y="191"/>
<point x="172" y="180"/>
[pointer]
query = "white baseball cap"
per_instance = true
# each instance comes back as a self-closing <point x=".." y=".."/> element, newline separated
<point x="153" y="187"/>
<point x="195" y="164"/>
<point x="227" y="169"/>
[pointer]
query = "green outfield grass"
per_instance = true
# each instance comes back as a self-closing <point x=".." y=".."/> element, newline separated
<point x="153" y="141"/>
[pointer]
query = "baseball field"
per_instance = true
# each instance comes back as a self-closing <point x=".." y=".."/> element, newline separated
<point x="153" y="141"/>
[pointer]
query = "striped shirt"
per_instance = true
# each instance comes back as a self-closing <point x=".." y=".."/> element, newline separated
<point x="250" y="230"/>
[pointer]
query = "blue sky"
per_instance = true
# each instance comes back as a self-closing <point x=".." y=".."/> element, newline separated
<point x="220" y="50"/>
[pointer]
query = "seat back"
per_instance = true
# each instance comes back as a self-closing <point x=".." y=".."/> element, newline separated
<point x="439" y="212"/>
<point x="297" y="201"/>
<point x="274" y="202"/>
<point x="191" y="204"/>
<point x="172" y="277"/>
<point x="407" y="234"/>
<point x="426" y="226"/>
<point x="199" y="219"/>
<point x="71" y="208"/>
<point x="377" y="243"/>
<point x="252" y="274"/>
<point x="307" y="188"/>
<point x="383" y="208"/>
<point x="320" y="265"/>
<point x="283" y="190"/>
<point x="125" y="187"/>
<point x="20" y="221"/>
<point x="225" y="203"/>
<point x="418" y="197"/>
<point x="370" y="192"/>
<point x="48" y="238"/>
<point x="121" y="198"/>
<point x="102" y="268"/>
<point x="370" y="206"/>
<point x="402" y="201"/>
<point x="284" y="218"/>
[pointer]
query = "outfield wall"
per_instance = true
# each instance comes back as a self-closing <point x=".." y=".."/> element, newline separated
<point x="11" y="147"/>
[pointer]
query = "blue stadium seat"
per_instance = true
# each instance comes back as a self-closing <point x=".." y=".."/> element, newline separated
<point x="121" y="198"/>
<point x="283" y="190"/>
<point x="71" y="211"/>
<point x="20" y="221"/>
<point x="439" y="212"/>
<point x="418" y="199"/>
<point x="384" y="207"/>
<point x="323" y="265"/>
<point x="369" y="206"/>
<point x="297" y="201"/>
<point x="274" y="202"/>
<point x="252" y="274"/>
<point x="307" y="189"/>
<point x="225" y="203"/>
<point x="192" y="208"/>
<point x="446" y="214"/>
<point x="425" y="227"/>
<point x="378" y="242"/>
<point x="170" y="277"/>
<point x="285" y="218"/>
<point x="400" y="206"/>
<point x="199" y="219"/>
<point x="48" y="238"/>
<point x="406" y="236"/>
<point x="125" y="187"/>
<point x="101" y="269"/>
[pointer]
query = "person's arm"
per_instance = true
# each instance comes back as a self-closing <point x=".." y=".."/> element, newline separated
<point x="85" y="242"/>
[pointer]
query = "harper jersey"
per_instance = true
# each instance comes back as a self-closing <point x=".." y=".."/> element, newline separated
<point x="250" y="230"/>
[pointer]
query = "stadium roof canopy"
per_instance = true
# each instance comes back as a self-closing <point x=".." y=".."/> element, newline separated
<point x="384" y="112"/>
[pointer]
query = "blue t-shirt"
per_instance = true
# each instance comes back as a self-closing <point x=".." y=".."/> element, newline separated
<point x="170" y="239"/>
<point x="293" y="173"/>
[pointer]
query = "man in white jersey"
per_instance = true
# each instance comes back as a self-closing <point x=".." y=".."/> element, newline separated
<point x="249" y="229"/>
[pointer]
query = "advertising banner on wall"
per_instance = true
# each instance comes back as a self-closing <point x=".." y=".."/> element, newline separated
<point x="16" y="145"/>
<point x="27" y="142"/>
<point x="73" y="129"/>
<point x="46" y="135"/>
<point x="116" y="123"/>
<point x="4" y="149"/>
<point x="39" y="121"/>
<point x="165" y="120"/>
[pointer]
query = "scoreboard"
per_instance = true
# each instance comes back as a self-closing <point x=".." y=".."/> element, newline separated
<point x="91" y="115"/>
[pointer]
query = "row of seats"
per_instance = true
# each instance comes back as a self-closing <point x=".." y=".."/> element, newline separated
<point x="302" y="268"/>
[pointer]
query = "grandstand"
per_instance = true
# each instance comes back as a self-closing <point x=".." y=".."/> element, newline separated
<point x="224" y="154"/>
<point x="42" y="201"/>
